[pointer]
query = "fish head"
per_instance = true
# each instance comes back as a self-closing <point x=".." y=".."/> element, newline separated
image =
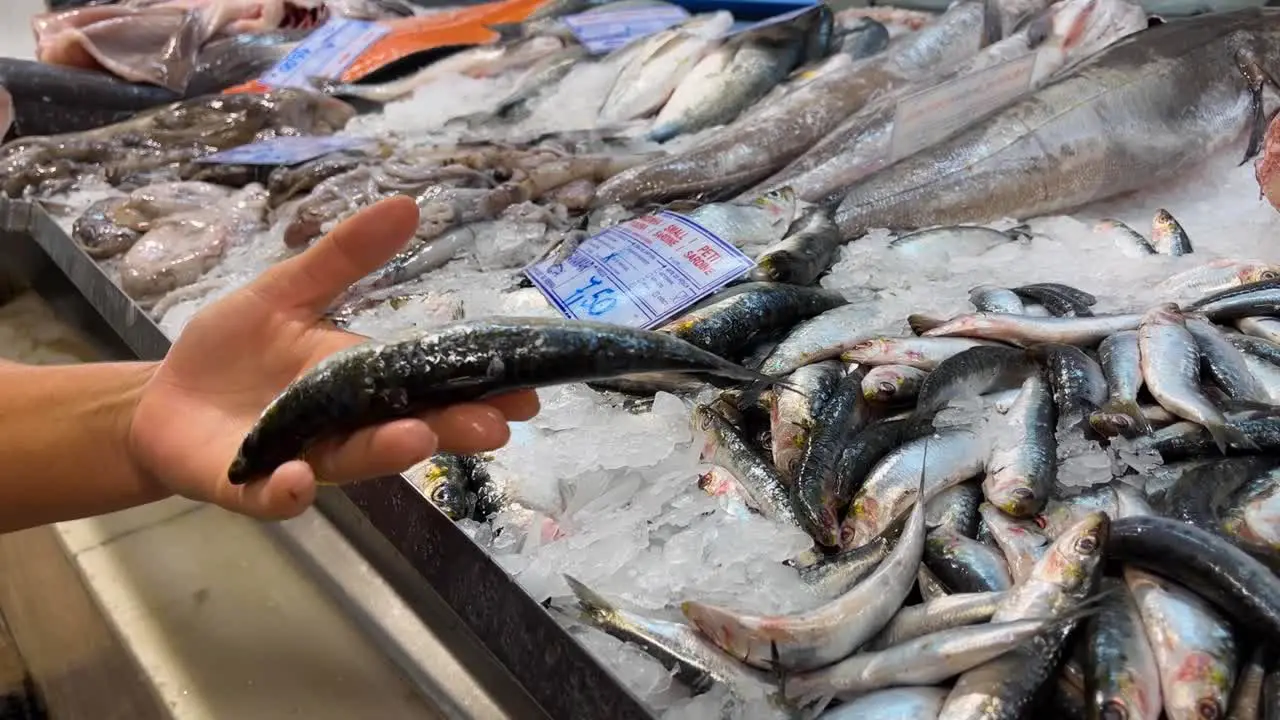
<point x="1074" y="560"/>
<point x="451" y="498"/>
<point x="745" y="638"/>
<point x="1163" y="314"/>
<point x="1113" y="424"/>
<point x="867" y="351"/>
<point x="1258" y="273"/>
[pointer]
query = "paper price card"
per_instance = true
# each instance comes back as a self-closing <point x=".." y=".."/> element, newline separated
<point x="285" y="150"/>
<point x="640" y="273"/>
<point x="326" y="53"/>
<point x="604" y="31"/>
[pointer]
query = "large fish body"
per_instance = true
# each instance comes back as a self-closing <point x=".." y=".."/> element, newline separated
<point x="866" y="142"/>
<point x="1116" y="123"/>
<point x="727" y="162"/>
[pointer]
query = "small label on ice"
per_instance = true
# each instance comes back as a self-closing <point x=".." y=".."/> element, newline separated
<point x="775" y="20"/>
<point x="289" y="150"/>
<point x="641" y="272"/>
<point x="325" y="54"/>
<point x="604" y="31"/>
<point x="929" y="116"/>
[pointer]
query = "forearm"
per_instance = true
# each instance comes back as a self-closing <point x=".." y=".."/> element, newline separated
<point x="64" y="450"/>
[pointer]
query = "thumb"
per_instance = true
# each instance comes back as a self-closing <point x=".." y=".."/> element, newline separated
<point x="362" y="243"/>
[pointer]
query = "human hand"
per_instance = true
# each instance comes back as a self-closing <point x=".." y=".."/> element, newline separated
<point x="237" y="354"/>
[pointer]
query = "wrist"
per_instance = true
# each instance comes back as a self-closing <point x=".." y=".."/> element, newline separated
<point x="124" y="411"/>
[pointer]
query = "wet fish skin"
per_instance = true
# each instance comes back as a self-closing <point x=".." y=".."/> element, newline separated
<point x="1076" y="295"/>
<point x="651" y="74"/>
<point x="990" y="299"/>
<point x="1148" y="77"/>
<point x="696" y="661"/>
<point x="971" y="373"/>
<point x="919" y="703"/>
<point x="1171" y="370"/>
<point x="1116" y="499"/>
<point x="1264" y="299"/>
<point x="831" y="631"/>
<point x="1167" y="235"/>
<point x="917" y="352"/>
<point x="757" y="477"/>
<point x="1025" y="330"/>
<point x="965" y="565"/>
<point x="1225" y="363"/>
<point x="54" y="99"/>
<point x="1266" y="328"/>
<point x="1022" y="465"/>
<point x="1246" y="697"/>
<point x="804" y="254"/>
<point x="865" y="39"/>
<point x="1079" y="385"/>
<point x="760" y="219"/>
<point x="822" y="337"/>
<point x="948" y="458"/>
<point x="1122" y="367"/>
<point x="410" y="376"/>
<point x="955" y="509"/>
<point x="98" y="234"/>
<point x="1217" y="275"/>
<point x="930" y="587"/>
<point x="1260" y="348"/>
<point x="724" y="163"/>
<point x="814" y="495"/>
<point x="941" y="242"/>
<point x="1130" y="241"/>
<point x="1192" y="644"/>
<point x="1122" y="678"/>
<point x="931" y="658"/>
<point x="794" y="410"/>
<point x="1057" y="303"/>
<point x="444" y="479"/>
<point x="1063" y="578"/>
<point x="935" y="615"/>
<point x="1216" y="570"/>
<point x="1187" y="440"/>
<point x="834" y="575"/>
<point x="864" y="450"/>
<point x="227" y="61"/>
<point x="727" y="327"/>
<point x="892" y="383"/>
<point x="1249" y="518"/>
<point x="1021" y="541"/>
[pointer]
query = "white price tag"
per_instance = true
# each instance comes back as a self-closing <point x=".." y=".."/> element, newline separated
<point x="287" y="150"/>
<point x="641" y="272"/>
<point x="604" y="31"/>
<point x="775" y="20"/>
<point x="930" y="116"/>
<point x="326" y="53"/>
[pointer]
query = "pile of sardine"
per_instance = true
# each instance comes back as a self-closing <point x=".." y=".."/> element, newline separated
<point x="1009" y="592"/>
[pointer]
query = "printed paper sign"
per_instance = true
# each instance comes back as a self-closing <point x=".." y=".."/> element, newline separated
<point x="929" y="116"/>
<point x="289" y="150"/>
<point x="775" y="20"/>
<point x="604" y="31"/>
<point x="640" y="273"/>
<point x="326" y="53"/>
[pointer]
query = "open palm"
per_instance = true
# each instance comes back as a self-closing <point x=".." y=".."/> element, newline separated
<point x="240" y="352"/>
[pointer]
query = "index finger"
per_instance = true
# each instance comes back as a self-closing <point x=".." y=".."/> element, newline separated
<point x="362" y="243"/>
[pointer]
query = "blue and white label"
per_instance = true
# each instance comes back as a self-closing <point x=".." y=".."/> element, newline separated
<point x="604" y="31"/>
<point x="640" y="273"/>
<point x="287" y="150"/>
<point x="775" y="20"/>
<point x="325" y="54"/>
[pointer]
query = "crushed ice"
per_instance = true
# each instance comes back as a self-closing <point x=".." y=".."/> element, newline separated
<point x="611" y="496"/>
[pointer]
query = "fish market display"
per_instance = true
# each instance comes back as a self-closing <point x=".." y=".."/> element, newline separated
<point x="991" y="429"/>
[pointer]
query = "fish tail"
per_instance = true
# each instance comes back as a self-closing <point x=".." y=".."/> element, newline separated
<point x="594" y="605"/>
<point x="1226" y="435"/>
<point x="1131" y="409"/>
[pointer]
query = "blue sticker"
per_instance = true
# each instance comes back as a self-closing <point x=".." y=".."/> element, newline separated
<point x="640" y="273"/>
<point x="604" y="31"/>
<point x="326" y="53"/>
<point x="289" y="150"/>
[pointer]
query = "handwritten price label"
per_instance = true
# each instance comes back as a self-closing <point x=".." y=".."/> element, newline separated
<point x="640" y="273"/>
<point x="603" y="31"/>
<point x="287" y="150"/>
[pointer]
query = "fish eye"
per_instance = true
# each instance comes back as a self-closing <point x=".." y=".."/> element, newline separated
<point x="1114" y="710"/>
<point x="1208" y="709"/>
<point x="887" y="387"/>
<point x="1267" y="275"/>
<point x="440" y="494"/>
<point x="1086" y="545"/>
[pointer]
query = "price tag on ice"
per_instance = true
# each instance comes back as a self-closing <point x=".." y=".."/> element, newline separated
<point x="640" y="273"/>
<point x="775" y="20"/>
<point x="929" y="116"/>
<point x="326" y="53"/>
<point x="607" y="30"/>
<point x="288" y="150"/>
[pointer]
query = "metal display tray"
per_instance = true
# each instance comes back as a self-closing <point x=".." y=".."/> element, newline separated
<point x="522" y="659"/>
